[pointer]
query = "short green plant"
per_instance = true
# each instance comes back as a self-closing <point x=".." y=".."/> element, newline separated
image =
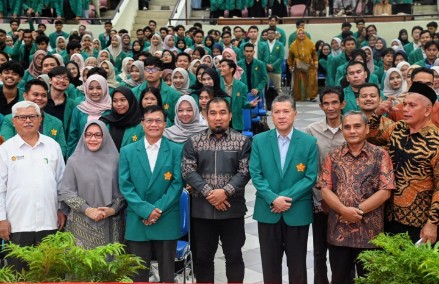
<point x="399" y="261"/>
<point x="58" y="259"/>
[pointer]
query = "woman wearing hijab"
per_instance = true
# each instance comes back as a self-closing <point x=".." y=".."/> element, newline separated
<point x="80" y="95"/>
<point x="116" y="52"/>
<point x="209" y="41"/>
<point x="180" y="81"/>
<point x="403" y="36"/>
<point x="76" y="57"/>
<point x="90" y="189"/>
<point x="436" y="79"/>
<point x="323" y="59"/>
<point x="35" y="68"/>
<point x="211" y="78"/>
<point x="336" y="47"/>
<point x="136" y="49"/>
<point x="96" y="43"/>
<point x="398" y="57"/>
<point x="303" y="58"/>
<point x="167" y="76"/>
<point x="393" y="84"/>
<point x="198" y="52"/>
<point x="181" y="45"/>
<point x="168" y="59"/>
<point x="156" y="44"/>
<point x="408" y="78"/>
<point x="124" y="119"/>
<point x="104" y="55"/>
<point x="217" y="49"/>
<point x="97" y="103"/>
<point x="194" y="65"/>
<point x="403" y="67"/>
<point x="369" y="58"/>
<point x="91" y="61"/>
<point x="229" y="53"/>
<point x="396" y="45"/>
<point x="207" y="59"/>
<point x="136" y="75"/>
<point x="126" y="65"/>
<point x="169" y="44"/>
<point x="195" y="88"/>
<point x="111" y="75"/>
<point x="75" y="73"/>
<point x="87" y="45"/>
<point x="61" y="44"/>
<point x="380" y="45"/>
<point x="126" y="43"/>
<point x="217" y="61"/>
<point x="187" y="121"/>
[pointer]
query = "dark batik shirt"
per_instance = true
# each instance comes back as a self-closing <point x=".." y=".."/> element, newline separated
<point x="354" y="179"/>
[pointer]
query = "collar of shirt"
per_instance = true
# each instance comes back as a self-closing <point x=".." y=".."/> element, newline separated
<point x="21" y="142"/>
<point x="210" y="134"/>
<point x="424" y="131"/>
<point x="152" y="146"/>
<point x="326" y="126"/>
<point x="366" y="150"/>
<point x="278" y="135"/>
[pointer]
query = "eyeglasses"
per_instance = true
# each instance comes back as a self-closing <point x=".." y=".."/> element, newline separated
<point x="97" y="135"/>
<point x="150" y="121"/>
<point x="151" y="70"/>
<point x="62" y="78"/>
<point x="23" y="118"/>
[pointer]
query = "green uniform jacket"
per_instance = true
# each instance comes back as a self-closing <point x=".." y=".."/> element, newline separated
<point x="26" y="78"/>
<point x="76" y="127"/>
<point x="169" y="97"/>
<point x="186" y="39"/>
<point x="350" y="99"/>
<point x="259" y="75"/>
<point x="416" y="56"/>
<point x="333" y="63"/>
<point x="276" y="57"/>
<point x="235" y="4"/>
<point x="145" y="190"/>
<point x="53" y="36"/>
<point x="76" y="6"/>
<point x="251" y="3"/>
<point x="131" y="134"/>
<point x="341" y="72"/>
<point x="263" y="51"/>
<point x="118" y="61"/>
<point x="296" y="180"/>
<point x="238" y="102"/>
<point x="18" y="50"/>
<point x="103" y="40"/>
<point x="408" y="48"/>
<point x="283" y="35"/>
<point x="217" y="5"/>
<point x="52" y="127"/>
<point x="54" y="4"/>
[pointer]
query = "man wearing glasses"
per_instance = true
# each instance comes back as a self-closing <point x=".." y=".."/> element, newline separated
<point x="153" y="76"/>
<point x="150" y="180"/>
<point x="31" y="168"/>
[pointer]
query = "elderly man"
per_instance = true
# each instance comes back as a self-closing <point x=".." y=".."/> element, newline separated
<point x="31" y="167"/>
<point x="356" y="180"/>
<point x="413" y="146"/>
<point x="215" y="164"/>
<point x="283" y="167"/>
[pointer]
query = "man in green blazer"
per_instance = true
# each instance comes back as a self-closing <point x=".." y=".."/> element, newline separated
<point x="418" y="54"/>
<point x="150" y="180"/>
<point x="261" y="47"/>
<point x="36" y="91"/>
<point x="254" y="69"/>
<point x="356" y="76"/>
<point x="416" y="33"/>
<point x="283" y="168"/>
<point x="58" y="32"/>
<point x="276" y="55"/>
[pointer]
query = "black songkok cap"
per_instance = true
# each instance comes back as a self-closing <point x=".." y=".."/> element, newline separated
<point x="423" y="89"/>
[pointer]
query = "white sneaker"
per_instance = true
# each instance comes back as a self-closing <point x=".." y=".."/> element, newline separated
<point x="144" y="8"/>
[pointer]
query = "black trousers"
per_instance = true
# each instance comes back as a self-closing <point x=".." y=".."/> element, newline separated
<point x="319" y="233"/>
<point x="207" y="233"/>
<point x="343" y="261"/>
<point x="164" y="252"/>
<point x="274" y="240"/>
<point x="26" y="239"/>
<point x="398" y="228"/>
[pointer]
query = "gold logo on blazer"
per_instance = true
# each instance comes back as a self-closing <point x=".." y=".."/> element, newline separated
<point x="301" y="167"/>
<point x="168" y="176"/>
<point x="134" y="137"/>
<point x="53" y="132"/>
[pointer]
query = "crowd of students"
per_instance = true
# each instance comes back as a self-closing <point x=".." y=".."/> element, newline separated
<point x="90" y="87"/>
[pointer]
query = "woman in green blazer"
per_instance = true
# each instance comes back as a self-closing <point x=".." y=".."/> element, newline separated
<point x="97" y="103"/>
<point x="124" y="120"/>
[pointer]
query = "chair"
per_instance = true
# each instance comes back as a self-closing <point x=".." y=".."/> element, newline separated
<point x="298" y="10"/>
<point x="247" y="118"/>
<point x="184" y="252"/>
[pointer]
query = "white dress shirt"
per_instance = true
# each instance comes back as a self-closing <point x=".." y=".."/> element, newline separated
<point x="29" y="180"/>
<point x="152" y="151"/>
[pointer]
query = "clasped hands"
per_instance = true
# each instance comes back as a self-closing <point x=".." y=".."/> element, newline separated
<point x="281" y="204"/>
<point x="350" y="215"/>
<point x="100" y="213"/>
<point x="218" y="199"/>
<point x="153" y="217"/>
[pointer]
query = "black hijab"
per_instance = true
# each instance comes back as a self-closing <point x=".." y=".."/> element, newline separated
<point x="216" y="82"/>
<point x="77" y="80"/>
<point x="197" y="86"/>
<point x="170" y="65"/>
<point x="118" y="123"/>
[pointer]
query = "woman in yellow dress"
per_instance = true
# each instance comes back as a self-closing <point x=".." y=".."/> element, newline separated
<point x="303" y="62"/>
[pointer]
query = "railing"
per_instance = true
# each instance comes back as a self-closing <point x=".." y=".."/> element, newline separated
<point x="181" y="14"/>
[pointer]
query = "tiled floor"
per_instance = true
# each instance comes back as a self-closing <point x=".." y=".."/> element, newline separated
<point x="308" y="112"/>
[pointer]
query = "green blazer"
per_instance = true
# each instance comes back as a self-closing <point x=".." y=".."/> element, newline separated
<point x="350" y="99"/>
<point x="276" y="57"/>
<point x="296" y="180"/>
<point x="217" y="5"/>
<point x="145" y="190"/>
<point x="117" y="62"/>
<point x="416" y="56"/>
<point x="238" y="102"/>
<point x="341" y="72"/>
<point x="408" y="48"/>
<point x="259" y="75"/>
<point x="52" y="127"/>
<point x="169" y="97"/>
<point x="131" y="134"/>
<point x="262" y="50"/>
<point x="18" y="50"/>
<point x="333" y="63"/>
